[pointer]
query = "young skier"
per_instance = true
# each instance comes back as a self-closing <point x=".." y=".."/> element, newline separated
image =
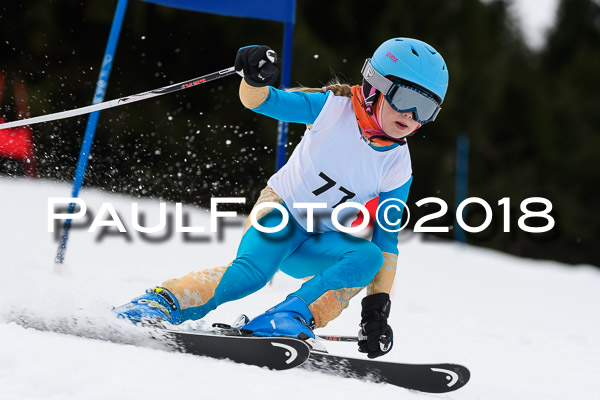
<point x="354" y="149"/>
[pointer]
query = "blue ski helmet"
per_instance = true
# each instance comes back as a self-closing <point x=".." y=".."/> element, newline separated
<point x="414" y="61"/>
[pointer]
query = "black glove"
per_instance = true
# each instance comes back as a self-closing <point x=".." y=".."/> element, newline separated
<point x="375" y="336"/>
<point x="257" y="64"/>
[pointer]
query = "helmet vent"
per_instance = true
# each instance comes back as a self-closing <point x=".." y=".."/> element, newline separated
<point x="414" y="51"/>
<point x="431" y="50"/>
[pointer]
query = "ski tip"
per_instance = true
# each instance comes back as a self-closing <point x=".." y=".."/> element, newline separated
<point x="456" y="376"/>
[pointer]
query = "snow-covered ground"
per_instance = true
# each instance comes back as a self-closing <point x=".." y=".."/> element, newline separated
<point x="526" y="329"/>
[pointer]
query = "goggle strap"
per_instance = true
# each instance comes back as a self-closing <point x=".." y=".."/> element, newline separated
<point x="369" y="95"/>
<point x="377" y="80"/>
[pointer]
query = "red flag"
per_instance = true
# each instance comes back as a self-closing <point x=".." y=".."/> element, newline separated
<point x="17" y="143"/>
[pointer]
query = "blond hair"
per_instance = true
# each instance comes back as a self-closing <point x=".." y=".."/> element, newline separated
<point x="338" y="88"/>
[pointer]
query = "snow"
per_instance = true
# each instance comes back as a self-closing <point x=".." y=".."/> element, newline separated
<point x="526" y="329"/>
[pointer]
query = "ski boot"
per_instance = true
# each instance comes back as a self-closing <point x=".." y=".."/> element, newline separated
<point x="156" y="306"/>
<point x="292" y="317"/>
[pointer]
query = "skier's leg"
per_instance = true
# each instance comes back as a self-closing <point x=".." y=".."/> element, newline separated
<point x="331" y="304"/>
<point x="342" y="266"/>
<point x="257" y="260"/>
<point x="356" y="261"/>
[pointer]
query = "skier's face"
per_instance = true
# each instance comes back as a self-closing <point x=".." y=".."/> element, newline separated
<point x="395" y="124"/>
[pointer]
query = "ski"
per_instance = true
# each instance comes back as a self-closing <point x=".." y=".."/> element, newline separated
<point x="276" y="353"/>
<point x="430" y="378"/>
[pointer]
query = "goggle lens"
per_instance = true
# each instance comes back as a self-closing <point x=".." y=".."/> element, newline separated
<point x="405" y="98"/>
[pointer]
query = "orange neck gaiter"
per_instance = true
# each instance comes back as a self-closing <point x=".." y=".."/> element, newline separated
<point x="369" y="125"/>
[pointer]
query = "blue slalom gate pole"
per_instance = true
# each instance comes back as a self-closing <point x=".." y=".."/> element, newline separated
<point x="462" y="181"/>
<point x="274" y="10"/>
<point x="282" y="127"/>
<point x="90" y="129"/>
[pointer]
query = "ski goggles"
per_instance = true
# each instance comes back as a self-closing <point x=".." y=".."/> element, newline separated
<point x="403" y="97"/>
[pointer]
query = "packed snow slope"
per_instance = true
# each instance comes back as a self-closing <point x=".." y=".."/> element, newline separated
<point x="526" y="329"/>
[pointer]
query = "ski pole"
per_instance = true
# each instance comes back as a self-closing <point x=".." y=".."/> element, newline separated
<point x="123" y="100"/>
<point x="333" y="338"/>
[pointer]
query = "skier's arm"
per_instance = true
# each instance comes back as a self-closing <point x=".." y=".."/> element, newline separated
<point x="388" y="241"/>
<point x="297" y="106"/>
